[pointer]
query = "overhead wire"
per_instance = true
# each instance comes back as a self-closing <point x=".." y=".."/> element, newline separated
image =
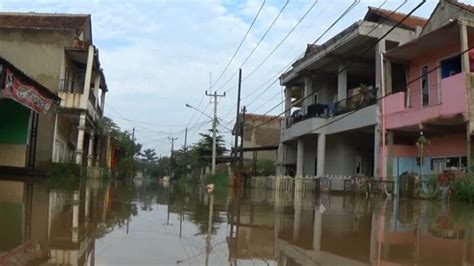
<point x="240" y="45"/>
<point x="348" y="65"/>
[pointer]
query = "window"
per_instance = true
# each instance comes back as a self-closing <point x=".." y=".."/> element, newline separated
<point x="438" y="165"/>
<point x="424" y="86"/>
<point x="450" y="67"/>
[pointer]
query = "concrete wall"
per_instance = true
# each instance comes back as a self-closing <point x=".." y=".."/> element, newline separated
<point x="38" y="53"/>
<point x="66" y="135"/>
<point x="13" y="155"/>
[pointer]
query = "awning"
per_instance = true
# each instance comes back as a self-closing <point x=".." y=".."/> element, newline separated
<point x="18" y="86"/>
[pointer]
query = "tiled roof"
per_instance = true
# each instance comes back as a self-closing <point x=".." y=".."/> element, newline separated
<point x="411" y="21"/>
<point x="461" y="5"/>
<point x="53" y="21"/>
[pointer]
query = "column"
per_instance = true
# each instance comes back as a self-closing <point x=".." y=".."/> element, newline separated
<point x="300" y="158"/>
<point x="90" y="155"/>
<point x="342" y="83"/>
<point x="75" y="216"/>
<point x="287" y="101"/>
<point x="102" y="101"/>
<point x="308" y="90"/>
<point x="80" y="138"/>
<point x="297" y="219"/>
<point x="321" y="156"/>
<point x="96" y="90"/>
<point x="88" y="77"/>
<point x="379" y="49"/>
<point x="317" y="229"/>
<point x="470" y="96"/>
<point x="388" y="171"/>
<point x="280" y="170"/>
<point x="55" y="155"/>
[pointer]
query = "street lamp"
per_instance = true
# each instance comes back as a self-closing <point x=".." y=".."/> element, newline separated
<point x="214" y="126"/>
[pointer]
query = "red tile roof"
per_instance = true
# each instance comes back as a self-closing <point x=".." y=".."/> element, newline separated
<point x="53" y="21"/>
<point x="411" y="21"/>
<point x="461" y="5"/>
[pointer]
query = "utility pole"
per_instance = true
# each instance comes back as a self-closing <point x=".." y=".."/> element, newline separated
<point x="186" y="152"/>
<point x="214" y="128"/>
<point x="171" y="156"/>
<point x="236" y="142"/>
<point x="241" y="161"/>
<point x="133" y="153"/>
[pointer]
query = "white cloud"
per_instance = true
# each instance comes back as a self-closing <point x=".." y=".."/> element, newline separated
<point x="157" y="55"/>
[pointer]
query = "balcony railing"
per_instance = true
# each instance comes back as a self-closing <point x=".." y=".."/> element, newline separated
<point x="349" y="104"/>
<point x="71" y="87"/>
<point x="356" y="102"/>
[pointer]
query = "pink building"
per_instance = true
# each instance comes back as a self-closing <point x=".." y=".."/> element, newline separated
<point x="427" y="83"/>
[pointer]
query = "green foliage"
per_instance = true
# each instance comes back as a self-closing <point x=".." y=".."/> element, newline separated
<point x="266" y="167"/>
<point x="160" y="168"/>
<point x="127" y="168"/>
<point x="219" y="179"/>
<point x="65" y="175"/>
<point x="463" y="189"/>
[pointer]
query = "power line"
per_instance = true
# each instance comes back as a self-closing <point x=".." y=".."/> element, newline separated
<point x="258" y="43"/>
<point x="275" y="77"/>
<point x="240" y="45"/>
<point x="348" y="65"/>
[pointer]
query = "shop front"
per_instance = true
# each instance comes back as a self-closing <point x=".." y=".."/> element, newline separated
<point x="22" y="99"/>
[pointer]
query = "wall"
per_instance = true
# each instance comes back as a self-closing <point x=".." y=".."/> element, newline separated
<point x="38" y="53"/>
<point x="432" y="61"/>
<point x="66" y="135"/>
<point x="310" y="154"/>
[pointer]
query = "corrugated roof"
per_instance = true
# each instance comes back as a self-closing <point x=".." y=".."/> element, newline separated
<point x="411" y="22"/>
<point x="32" y="20"/>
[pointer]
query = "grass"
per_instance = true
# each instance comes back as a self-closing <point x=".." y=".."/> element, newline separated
<point x="463" y="189"/>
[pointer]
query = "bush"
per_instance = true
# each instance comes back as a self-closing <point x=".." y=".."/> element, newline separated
<point x="219" y="179"/>
<point x="127" y="168"/>
<point x="463" y="189"/>
<point x="266" y="167"/>
<point x="65" y="175"/>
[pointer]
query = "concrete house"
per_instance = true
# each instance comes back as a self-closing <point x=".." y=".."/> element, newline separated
<point x="321" y="135"/>
<point x="57" y="50"/>
<point x="434" y="97"/>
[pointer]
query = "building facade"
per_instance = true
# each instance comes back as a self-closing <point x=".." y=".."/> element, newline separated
<point x="332" y="123"/>
<point x="57" y="50"/>
<point x="435" y="97"/>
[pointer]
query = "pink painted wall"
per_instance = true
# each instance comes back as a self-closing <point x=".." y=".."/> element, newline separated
<point x="430" y="59"/>
<point x="450" y="145"/>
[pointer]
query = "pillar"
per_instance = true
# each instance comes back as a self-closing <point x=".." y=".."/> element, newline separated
<point x="55" y="156"/>
<point x="280" y="170"/>
<point x="308" y="90"/>
<point x="80" y="138"/>
<point x="96" y="90"/>
<point x="317" y="229"/>
<point x="342" y="83"/>
<point x="465" y="64"/>
<point x="102" y="101"/>
<point x="379" y="49"/>
<point x="88" y="77"/>
<point x="388" y="171"/>
<point x="287" y="101"/>
<point x="321" y="155"/>
<point x="297" y="219"/>
<point x="90" y="155"/>
<point x="300" y="158"/>
<point x="75" y="216"/>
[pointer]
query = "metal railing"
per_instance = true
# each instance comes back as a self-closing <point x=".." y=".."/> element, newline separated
<point x="356" y="102"/>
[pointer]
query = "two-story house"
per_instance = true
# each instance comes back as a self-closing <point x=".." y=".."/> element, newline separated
<point x="322" y="133"/>
<point x="434" y="97"/>
<point x="57" y="50"/>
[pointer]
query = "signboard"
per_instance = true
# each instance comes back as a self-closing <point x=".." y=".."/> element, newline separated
<point x="26" y="95"/>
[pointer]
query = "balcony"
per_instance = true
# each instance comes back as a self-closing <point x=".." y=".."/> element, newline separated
<point x="327" y="118"/>
<point x="453" y="104"/>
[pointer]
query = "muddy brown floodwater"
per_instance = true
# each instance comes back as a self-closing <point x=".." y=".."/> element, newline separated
<point x="144" y="223"/>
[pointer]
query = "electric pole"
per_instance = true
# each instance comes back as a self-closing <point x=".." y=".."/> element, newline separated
<point x="214" y="129"/>
<point x="132" y="154"/>
<point x="171" y="156"/>
<point x="236" y="141"/>
<point x="186" y="152"/>
<point x="241" y="161"/>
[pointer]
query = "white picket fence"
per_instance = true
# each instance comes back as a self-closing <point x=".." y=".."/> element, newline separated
<point x="308" y="183"/>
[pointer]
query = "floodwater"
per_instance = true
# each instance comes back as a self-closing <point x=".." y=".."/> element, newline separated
<point x="146" y="223"/>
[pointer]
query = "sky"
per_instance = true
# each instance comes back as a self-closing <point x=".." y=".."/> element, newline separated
<point x="160" y="55"/>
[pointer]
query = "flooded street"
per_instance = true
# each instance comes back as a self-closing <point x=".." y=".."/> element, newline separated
<point x="145" y="223"/>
